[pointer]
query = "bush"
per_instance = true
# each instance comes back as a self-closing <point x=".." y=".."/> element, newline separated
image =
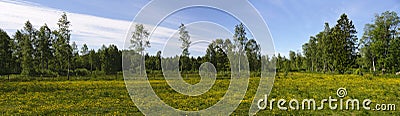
<point x="98" y="73"/>
<point x="358" y="72"/>
<point x="64" y="72"/>
<point x="82" y="72"/>
<point x="45" y="73"/>
<point x="348" y="72"/>
<point x="120" y="73"/>
<point x="255" y="74"/>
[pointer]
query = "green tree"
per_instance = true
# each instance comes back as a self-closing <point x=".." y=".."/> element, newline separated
<point x="84" y="49"/>
<point x="45" y="52"/>
<point x="184" y="37"/>
<point x="211" y="54"/>
<point x="6" y="60"/>
<point x="240" y="40"/>
<point x="310" y="52"/>
<point x="377" y="41"/>
<point x="139" y="42"/>
<point x="83" y="59"/>
<point x="139" y="39"/>
<point x="92" y="59"/>
<point x="299" y="61"/>
<point x="158" y="60"/>
<point x="75" y="56"/>
<point x="217" y="55"/>
<point x="27" y="49"/>
<point x="292" y="58"/>
<point x="253" y="52"/>
<point x="279" y="63"/>
<point x="111" y="59"/>
<point x="63" y="51"/>
<point x="345" y="44"/>
<point x="18" y="39"/>
<point x="326" y="48"/>
<point x="393" y="56"/>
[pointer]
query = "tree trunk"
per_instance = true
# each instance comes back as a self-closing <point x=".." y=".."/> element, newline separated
<point x="324" y="67"/>
<point x="91" y="68"/>
<point x="373" y="64"/>
<point x="312" y="66"/>
<point x="68" y="70"/>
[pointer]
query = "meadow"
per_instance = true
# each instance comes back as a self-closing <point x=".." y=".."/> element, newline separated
<point x="108" y="95"/>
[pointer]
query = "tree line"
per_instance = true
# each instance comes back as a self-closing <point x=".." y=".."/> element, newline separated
<point x="46" y="52"/>
<point x="338" y="50"/>
<point x="217" y="52"/>
<point x="335" y="49"/>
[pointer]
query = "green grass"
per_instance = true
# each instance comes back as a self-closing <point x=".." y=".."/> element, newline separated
<point x="106" y="96"/>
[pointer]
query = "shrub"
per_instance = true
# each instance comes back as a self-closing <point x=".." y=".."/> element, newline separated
<point x="98" y="73"/>
<point x="348" y="72"/>
<point x="82" y="72"/>
<point x="358" y="72"/>
<point x="64" y="72"/>
<point x="44" y="73"/>
<point x="255" y="74"/>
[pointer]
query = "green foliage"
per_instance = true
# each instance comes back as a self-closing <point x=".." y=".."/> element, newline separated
<point x="6" y="59"/>
<point x="239" y="37"/>
<point x="184" y="37"/>
<point x="139" y="39"/>
<point x="82" y="72"/>
<point x="253" y="52"/>
<point x="333" y="49"/>
<point x="380" y="44"/>
<point x="111" y="59"/>
<point x="358" y="72"/>
<point x="345" y="45"/>
<point x="47" y="53"/>
<point x="43" y="47"/>
<point x="63" y="50"/>
<point x="45" y="73"/>
<point x="27" y="50"/>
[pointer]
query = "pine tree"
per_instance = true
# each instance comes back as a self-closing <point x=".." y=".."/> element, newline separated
<point x="345" y="44"/>
<point x="84" y="49"/>
<point x="27" y="50"/>
<point x="45" y="52"/>
<point x="18" y="39"/>
<point x="6" y="59"/>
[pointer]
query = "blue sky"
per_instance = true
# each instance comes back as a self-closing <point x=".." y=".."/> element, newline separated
<point x="290" y="22"/>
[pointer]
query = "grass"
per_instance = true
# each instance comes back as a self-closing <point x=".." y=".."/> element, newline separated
<point x="110" y="97"/>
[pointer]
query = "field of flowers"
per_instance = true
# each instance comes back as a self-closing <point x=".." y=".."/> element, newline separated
<point x="111" y="96"/>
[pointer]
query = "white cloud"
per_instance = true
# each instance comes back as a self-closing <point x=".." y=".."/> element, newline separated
<point x="88" y="29"/>
<point x="96" y="31"/>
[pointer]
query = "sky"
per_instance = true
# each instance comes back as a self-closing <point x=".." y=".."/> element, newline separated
<point x="98" y="22"/>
